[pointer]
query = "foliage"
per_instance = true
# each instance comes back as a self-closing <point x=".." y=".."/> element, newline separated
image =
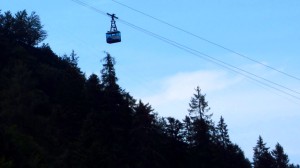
<point x="51" y="115"/>
<point x="199" y="106"/>
<point x="262" y="157"/>
<point x="22" y="28"/>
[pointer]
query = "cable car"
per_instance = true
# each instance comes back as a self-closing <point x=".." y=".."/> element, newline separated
<point x="113" y="36"/>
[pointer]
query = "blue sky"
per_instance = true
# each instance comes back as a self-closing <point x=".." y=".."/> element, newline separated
<point x="165" y="76"/>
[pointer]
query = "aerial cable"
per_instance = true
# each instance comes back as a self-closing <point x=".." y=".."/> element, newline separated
<point x="89" y="6"/>
<point x="199" y="54"/>
<point x="216" y="61"/>
<point x="208" y="41"/>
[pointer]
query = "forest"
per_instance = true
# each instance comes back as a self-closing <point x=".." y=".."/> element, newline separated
<point x="52" y="115"/>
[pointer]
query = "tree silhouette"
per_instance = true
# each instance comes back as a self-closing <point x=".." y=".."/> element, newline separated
<point x="281" y="159"/>
<point x="22" y="28"/>
<point x="145" y="138"/>
<point x="262" y="157"/>
<point x="174" y="129"/>
<point x="52" y="116"/>
<point x="109" y="79"/>
<point x="199" y="106"/>
<point x="222" y="134"/>
<point x="199" y="130"/>
<point x="200" y="123"/>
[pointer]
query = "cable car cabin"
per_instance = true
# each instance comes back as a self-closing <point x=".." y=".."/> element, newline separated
<point x="113" y="37"/>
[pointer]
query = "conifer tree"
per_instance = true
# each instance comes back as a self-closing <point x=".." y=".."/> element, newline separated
<point x="187" y="130"/>
<point x="93" y="92"/>
<point x="52" y="116"/>
<point x="174" y="128"/>
<point x="199" y="130"/>
<point x="72" y="59"/>
<point x="199" y="106"/>
<point x="144" y="137"/>
<point x="109" y="79"/>
<point x="112" y="93"/>
<point x="143" y="116"/>
<point x="222" y="133"/>
<point x="262" y="157"/>
<point x="201" y="121"/>
<point x="281" y="159"/>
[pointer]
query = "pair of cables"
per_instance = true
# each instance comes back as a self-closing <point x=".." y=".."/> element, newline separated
<point x="258" y="79"/>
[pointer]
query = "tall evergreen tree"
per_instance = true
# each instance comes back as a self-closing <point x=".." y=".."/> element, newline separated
<point x="111" y="90"/>
<point x="262" y="157"/>
<point x="200" y="130"/>
<point x="201" y="124"/>
<point x="281" y="159"/>
<point x="108" y="74"/>
<point x="222" y="134"/>
<point x="199" y="106"/>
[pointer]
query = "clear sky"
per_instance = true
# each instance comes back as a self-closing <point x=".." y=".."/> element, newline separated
<point x="165" y="76"/>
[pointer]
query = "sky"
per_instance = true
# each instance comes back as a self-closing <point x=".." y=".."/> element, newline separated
<point x="166" y="76"/>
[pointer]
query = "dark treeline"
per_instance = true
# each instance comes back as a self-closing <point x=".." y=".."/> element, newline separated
<point x="51" y="115"/>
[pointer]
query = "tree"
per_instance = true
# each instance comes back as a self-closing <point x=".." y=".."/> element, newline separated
<point x="143" y="117"/>
<point x="281" y="159"/>
<point x="234" y="157"/>
<point x="187" y="130"/>
<point x="22" y="28"/>
<point x="52" y="116"/>
<point x="198" y="128"/>
<point x="199" y="106"/>
<point x="72" y="59"/>
<point x="109" y="79"/>
<point x="145" y="138"/>
<point x="294" y="166"/>
<point x="222" y="133"/>
<point x="6" y="25"/>
<point x="93" y="91"/>
<point x="175" y="148"/>
<point x="201" y="124"/>
<point x="262" y="157"/>
<point x="174" y="128"/>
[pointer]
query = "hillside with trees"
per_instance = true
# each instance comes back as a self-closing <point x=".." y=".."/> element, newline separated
<point x="52" y="115"/>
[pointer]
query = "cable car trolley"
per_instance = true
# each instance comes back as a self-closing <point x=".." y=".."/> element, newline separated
<point x="113" y="36"/>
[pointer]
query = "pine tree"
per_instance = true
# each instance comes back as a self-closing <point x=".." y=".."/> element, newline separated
<point x="93" y="92"/>
<point x="199" y="106"/>
<point x="262" y="157"/>
<point x="187" y="130"/>
<point x="109" y="79"/>
<point x="72" y="59"/>
<point x="143" y="116"/>
<point x="174" y="129"/>
<point x="201" y="124"/>
<point x="199" y="129"/>
<point x="281" y="159"/>
<point x="222" y="134"/>
<point x="144" y="138"/>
